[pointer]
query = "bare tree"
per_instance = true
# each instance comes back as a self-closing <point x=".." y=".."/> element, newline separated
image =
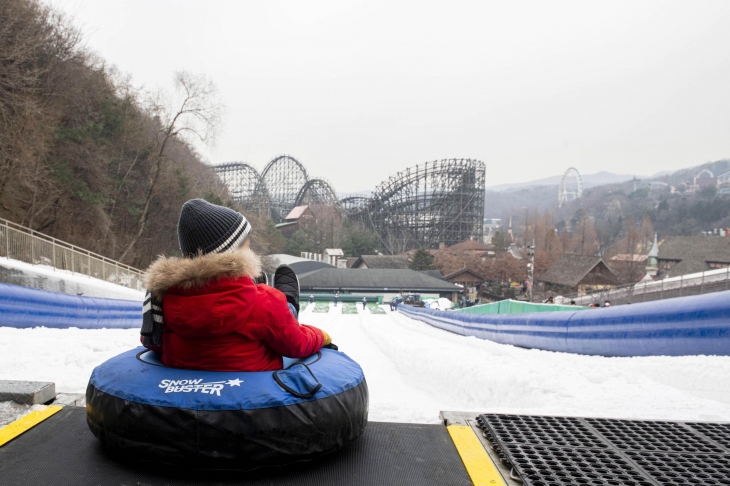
<point x="197" y="115"/>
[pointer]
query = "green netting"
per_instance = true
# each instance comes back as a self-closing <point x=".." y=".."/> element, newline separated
<point x="375" y="309"/>
<point x="349" y="308"/>
<point x="516" y="307"/>
<point x="343" y="297"/>
<point x="321" y="307"/>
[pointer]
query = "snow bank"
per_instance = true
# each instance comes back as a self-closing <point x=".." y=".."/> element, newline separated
<point x="11" y="411"/>
<point x="414" y="371"/>
<point x="47" y="278"/>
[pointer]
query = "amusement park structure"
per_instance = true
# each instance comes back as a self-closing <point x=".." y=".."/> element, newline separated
<point x="422" y="206"/>
<point x="568" y="192"/>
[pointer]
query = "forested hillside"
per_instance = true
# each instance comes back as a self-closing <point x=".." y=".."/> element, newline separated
<point x="84" y="156"/>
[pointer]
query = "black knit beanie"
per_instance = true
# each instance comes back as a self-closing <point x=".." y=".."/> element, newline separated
<point x="209" y="228"/>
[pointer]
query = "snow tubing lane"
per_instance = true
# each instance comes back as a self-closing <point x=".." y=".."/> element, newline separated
<point x="23" y="307"/>
<point x="237" y="420"/>
<point x="684" y="326"/>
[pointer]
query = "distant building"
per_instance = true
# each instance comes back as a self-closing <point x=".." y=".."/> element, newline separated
<point x="469" y="280"/>
<point x="332" y="256"/>
<point x="298" y="264"/>
<point x="491" y="226"/>
<point x="578" y="273"/>
<point x="703" y="179"/>
<point x="298" y="218"/>
<point x="470" y="246"/>
<point x="351" y="261"/>
<point x="652" y="265"/>
<point x="682" y="255"/>
<point x="432" y="273"/>
<point x="386" y="282"/>
<point x="381" y="261"/>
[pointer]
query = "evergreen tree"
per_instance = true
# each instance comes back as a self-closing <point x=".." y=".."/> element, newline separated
<point x="422" y="260"/>
<point x="500" y="241"/>
<point x="273" y="237"/>
<point x="298" y="243"/>
<point x="358" y="242"/>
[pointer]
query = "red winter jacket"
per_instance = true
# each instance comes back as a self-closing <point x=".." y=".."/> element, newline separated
<point x="216" y="318"/>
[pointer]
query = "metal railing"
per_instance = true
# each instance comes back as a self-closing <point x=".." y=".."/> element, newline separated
<point x="26" y="245"/>
<point x="693" y="284"/>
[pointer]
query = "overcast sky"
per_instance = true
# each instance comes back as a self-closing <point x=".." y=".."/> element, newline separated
<point x="360" y="90"/>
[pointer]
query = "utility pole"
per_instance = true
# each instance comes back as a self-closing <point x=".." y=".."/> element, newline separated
<point x="531" y="266"/>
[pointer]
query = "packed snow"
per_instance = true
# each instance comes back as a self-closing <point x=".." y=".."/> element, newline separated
<point x="11" y="411"/>
<point x="47" y="277"/>
<point x="414" y="371"/>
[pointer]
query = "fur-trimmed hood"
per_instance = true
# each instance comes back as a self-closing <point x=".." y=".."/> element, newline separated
<point x="187" y="273"/>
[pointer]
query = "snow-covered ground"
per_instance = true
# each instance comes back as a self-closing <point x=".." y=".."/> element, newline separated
<point x="47" y="278"/>
<point x="11" y="411"/>
<point x="414" y="371"/>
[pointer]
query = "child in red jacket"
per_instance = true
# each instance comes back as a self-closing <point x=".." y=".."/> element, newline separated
<point x="213" y="314"/>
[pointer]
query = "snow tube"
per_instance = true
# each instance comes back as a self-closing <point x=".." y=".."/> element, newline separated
<point x="684" y="326"/>
<point x="239" y="420"/>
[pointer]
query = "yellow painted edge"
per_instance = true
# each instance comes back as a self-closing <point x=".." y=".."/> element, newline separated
<point x="477" y="462"/>
<point x="25" y="423"/>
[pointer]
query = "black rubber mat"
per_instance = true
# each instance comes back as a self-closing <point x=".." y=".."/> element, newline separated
<point x="62" y="451"/>
<point x="565" y="451"/>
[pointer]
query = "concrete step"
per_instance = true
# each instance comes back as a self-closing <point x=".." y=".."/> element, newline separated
<point x="27" y="392"/>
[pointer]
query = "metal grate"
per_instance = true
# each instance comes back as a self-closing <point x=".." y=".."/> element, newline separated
<point x="720" y="433"/>
<point x="684" y="469"/>
<point x="552" y="466"/>
<point x="637" y="435"/>
<point x="567" y="451"/>
<point x="549" y="431"/>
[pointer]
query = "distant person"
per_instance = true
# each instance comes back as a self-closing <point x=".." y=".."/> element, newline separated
<point x="311" y="299"/>
<point x="607" y="303"/>
<point x="461" y="303"/>
<point x="572" y="302"/>
<point x="337" y="297"/>
<point x="364" y="302"/>
<point x="550" y="300"/>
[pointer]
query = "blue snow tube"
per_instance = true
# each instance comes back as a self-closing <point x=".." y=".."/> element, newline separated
<point x="238" y="420"/>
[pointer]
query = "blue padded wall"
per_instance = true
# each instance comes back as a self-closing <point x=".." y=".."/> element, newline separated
<point x="697" y="325"/>
<point x="24" y="307"/>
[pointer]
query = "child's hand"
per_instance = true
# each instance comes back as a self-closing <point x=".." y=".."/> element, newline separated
<point x="327" y="338"/>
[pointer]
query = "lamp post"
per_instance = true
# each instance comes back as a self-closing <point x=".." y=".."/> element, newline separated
<point x="531" y="266"/>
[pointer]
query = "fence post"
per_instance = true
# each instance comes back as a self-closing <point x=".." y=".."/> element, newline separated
<point x="7" y="240"/>
<point x="32" y="249"/>
<point x="53" y="245"/>
<point x="72" y="261"/>
<point x="661" y="297"/>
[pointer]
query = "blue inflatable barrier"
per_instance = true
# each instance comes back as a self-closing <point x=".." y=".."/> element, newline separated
<point x="23" y="307"/>
<point x="685" y="326"/>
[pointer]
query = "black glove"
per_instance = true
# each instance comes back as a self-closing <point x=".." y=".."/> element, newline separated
<point x="331" y="346"/>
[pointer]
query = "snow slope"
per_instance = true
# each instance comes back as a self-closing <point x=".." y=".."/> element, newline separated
<point x="414" y="371"/>
<point x="47" y="278"/>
